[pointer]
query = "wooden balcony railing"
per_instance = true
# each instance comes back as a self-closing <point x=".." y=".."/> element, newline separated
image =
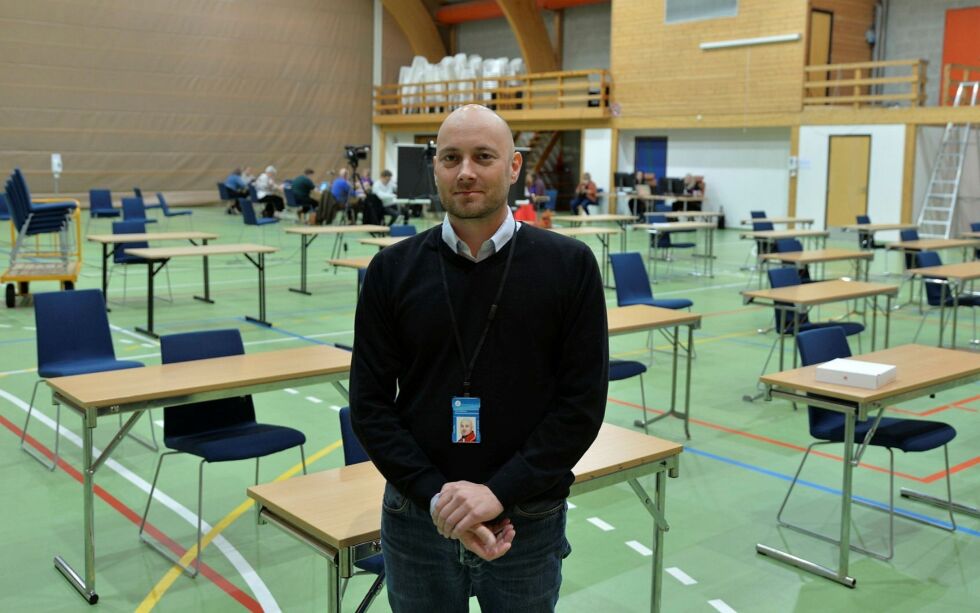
<point x="546" y="91"/>
<point x="953" y="75"/>
<point x="860" y="84"/>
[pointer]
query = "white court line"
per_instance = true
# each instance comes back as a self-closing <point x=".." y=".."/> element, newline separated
<point x="598" y="523"/>
<point x="143" y="340"/>
<point x="721" y="606"/>
<point x="335" y="408"/>
<point x="29" y="328"/>
<point x="571" y="505"/>
<point x="681" y="576"/>
<point x="255" y="583"/>
<point x="314" y="399"/>
<point x="125" y="341"/>
<point x="158" y="422"/>
<point x="290" y="390"/>
<point x="639" y="548"/>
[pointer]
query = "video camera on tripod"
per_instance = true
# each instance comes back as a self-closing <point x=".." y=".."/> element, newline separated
<point x="355" y="153"/>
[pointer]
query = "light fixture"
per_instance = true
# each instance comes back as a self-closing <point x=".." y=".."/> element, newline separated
<point x="747" y="42"/>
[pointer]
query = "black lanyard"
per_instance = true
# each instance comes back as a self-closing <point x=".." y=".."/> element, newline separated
<point x="468" y="368"/>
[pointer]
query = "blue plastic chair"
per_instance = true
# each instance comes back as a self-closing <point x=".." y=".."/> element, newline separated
<point x="4" y="209"/>
<point x="909" y="235"/>
<point x="402" y="230"/>
<point x="633" y="285"/>
<point x="552" y="202"/>
<point x="620" y="370"/>
<point x="827" y="426"/>
<point x="791" y="245"/>
<point x="100" y="204"/>
<point x="73" y="338"/>
<point x="757" y="214"/>
<point x="167" y="211"/>
<point x="121" y="258"/>
<point x="134" y="210"/>
<point x="228" y="198"/>
<point x="249" y="218"/>
<point x="138" y="193"/>
<point x="937" y="294"/>
<point x="354" y="454"/>
<point x="865" y="239"/>
<point x="220" y="430"/>
<point x="975" y="226"/>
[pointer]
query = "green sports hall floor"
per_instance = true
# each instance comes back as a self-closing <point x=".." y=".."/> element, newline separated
<point x="733" y="472"/>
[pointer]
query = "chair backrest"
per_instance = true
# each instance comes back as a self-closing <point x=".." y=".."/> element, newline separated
<point x="13" y="202"/>
<point x="975" y="226"/>
<point x="133" y="208"/>
<point x="290" y="197"/>
<point x="762" y="226"/>
<point x="786" y="276"/>
<point x="163" y="203"/>
<point x="252" y="193"/>
<point x="631" y="277"/>
<point x="816" y="347"/>
<point x="4" y="209"/>
<point x="757" y="214"/>
<point x="552" y="195"/>
<point x="353" y="451"/>
<point x="211" y="414"/>
<point x="934" y="291"/>
<point x="71" y="326"/>
<point x="402" y="230"/>
<point x="99" y="200"/>
<point x="223" y="192"/>
<point x="788" y="245"/>
<point x="119" y="255"/>
<point x="248" y="212"/>
<point x="863" y="219"/>
<point x="138" y="193"/>
<point x="909" y="235"/>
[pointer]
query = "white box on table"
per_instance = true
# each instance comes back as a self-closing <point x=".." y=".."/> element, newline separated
<point x="867" y="375"/>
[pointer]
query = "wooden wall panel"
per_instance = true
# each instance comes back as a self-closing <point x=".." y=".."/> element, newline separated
<point x="171" y="96"/>
<point x="852" y="18"/>
<point x="659" y="68"/>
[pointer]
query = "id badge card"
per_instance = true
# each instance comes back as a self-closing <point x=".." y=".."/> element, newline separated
<point x="466" y="419"/>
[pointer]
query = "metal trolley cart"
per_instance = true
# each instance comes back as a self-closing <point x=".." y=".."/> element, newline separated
<point x="48" y="256"/>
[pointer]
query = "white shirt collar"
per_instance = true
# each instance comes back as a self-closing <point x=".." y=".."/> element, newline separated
<point x="491" y="246"/>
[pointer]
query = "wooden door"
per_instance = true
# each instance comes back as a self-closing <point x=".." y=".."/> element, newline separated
<point x="818" y="52"/>
<point x="848" y="169"/>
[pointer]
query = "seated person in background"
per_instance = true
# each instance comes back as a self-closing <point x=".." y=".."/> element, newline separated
<point x="644" y="183"/>
<point x="303" y="191"/>
<point x="344" y="194"/>
<point x="585" y="194"/>
<point x="385" y="189"/>
<point x="536" y="189"/>
<point x="693" y="186"/>
<point x="238" y="189"/>
<point x="248" y="176"/>
<point x="268" y="192"/>
<point x="366" y="181"/>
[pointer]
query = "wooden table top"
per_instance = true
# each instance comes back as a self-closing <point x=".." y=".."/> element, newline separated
<point x="163" y="253"/>
<point x="821" y="292"/>
<point x="932" y="244"/>
<point x="963" y="271"/>
<point x="803" y="220"/>
<point x="970" y="235"/>
<point x="877" y="227"/>
<point x="682" y="214"/>
<point x="918" y="367"/>
<point x="640" y="317"/>
<point x="166" y="381"/>
<point x="583" y="231"/>
<point x="820" y="255"/>
<point x="336" y="229"/>
<point x="150" y="236"/>
<point x="598" y="218"/>
<point x="342" y="507"/>
<point x="777" y="234"/>
<point x="359" y="262"/>
<point x="382" y="241"/>
<point x="675" y="225"/>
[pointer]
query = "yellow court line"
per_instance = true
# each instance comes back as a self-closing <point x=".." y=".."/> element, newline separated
<point x="158" y="590"/>
<point x="670" y="347"/>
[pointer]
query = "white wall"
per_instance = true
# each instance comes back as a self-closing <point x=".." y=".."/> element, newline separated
<point x="596" y="149"/>
<point x="743" y="169"/>
<point x="885" y="174"/>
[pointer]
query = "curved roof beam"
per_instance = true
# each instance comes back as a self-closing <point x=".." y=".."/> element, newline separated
<point x="416" y="23"/>
<point x="528" y="27"/>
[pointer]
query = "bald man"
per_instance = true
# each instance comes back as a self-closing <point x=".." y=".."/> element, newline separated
<point x="498" y="324"/>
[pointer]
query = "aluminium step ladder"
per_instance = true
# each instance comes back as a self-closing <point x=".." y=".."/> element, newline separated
<point x="943" y="192"/>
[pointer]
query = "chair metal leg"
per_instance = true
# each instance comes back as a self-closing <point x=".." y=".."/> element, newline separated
<point x="759" y="394"/>
<point x="152" y="542"/>
<point x="372" y="593"/>
<point x="150" y="443"/>
<point x="949" y="504"/>
<point x="643" y="400"/>
<point x="29" y="450"/>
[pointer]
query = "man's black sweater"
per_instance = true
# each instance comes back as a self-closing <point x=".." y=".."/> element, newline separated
<point x="541" y="376"/>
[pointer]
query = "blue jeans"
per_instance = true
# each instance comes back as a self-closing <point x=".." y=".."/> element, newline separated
<point x="580" y="201"/>
<point x="426" y="573"/>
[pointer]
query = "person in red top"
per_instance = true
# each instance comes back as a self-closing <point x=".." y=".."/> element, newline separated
<point x="585" y="194"/>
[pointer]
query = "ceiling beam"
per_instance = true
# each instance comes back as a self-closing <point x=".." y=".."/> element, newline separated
<point x="418" y="26"/>
<point x="532" y="37"/>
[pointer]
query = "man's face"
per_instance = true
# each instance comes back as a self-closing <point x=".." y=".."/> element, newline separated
<point x="465" y="428"/>
<point x="475" y="164"/>
<point x="385" y="179"/>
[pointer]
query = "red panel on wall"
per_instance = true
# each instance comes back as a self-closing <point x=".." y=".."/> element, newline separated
<point x="961" y="44"/>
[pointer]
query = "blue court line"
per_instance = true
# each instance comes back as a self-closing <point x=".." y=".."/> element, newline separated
<point x="829" y="490"/>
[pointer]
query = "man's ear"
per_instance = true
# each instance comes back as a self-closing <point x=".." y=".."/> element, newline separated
<point x="515" y="167"/>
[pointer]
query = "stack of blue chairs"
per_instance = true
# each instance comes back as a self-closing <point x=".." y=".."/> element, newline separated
<point x="34" y="219"/>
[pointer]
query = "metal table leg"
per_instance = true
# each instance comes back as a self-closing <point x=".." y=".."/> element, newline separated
<point x="304" y="242"/>
<point x="207" y="279"/>
<point x="151" y="273"/>
<point x="260" y="265"/>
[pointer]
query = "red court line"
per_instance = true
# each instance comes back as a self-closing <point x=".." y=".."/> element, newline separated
<point x="244" y="599"/>
<point x="953" y="405"/>
<point x="779" y="443"/>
